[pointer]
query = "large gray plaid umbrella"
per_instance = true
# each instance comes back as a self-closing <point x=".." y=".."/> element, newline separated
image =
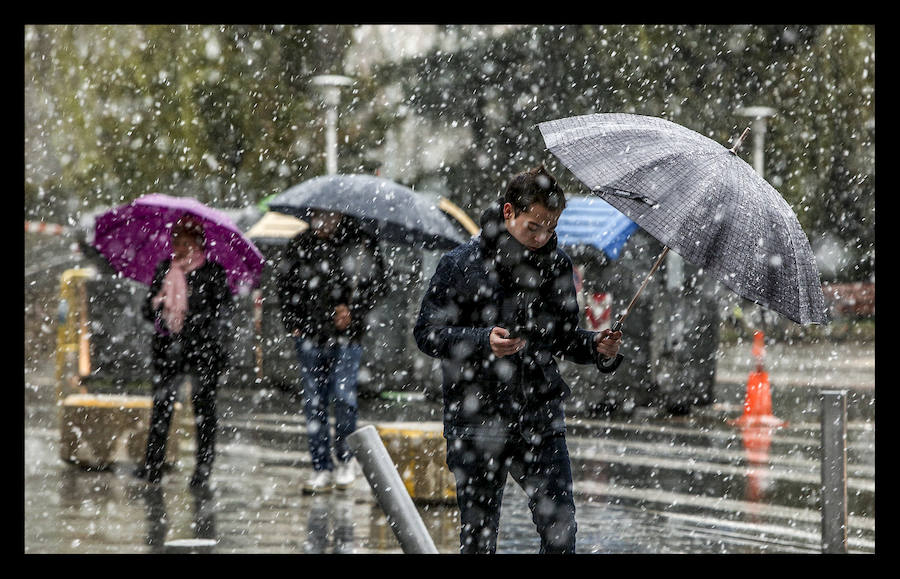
<point x="699" y="199"/>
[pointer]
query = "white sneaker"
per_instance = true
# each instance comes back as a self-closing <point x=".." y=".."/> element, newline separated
<point x="319" y="482"/>
<point x="344" y="474"/>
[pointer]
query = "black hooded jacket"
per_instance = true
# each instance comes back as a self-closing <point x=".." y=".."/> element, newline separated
<point x="315" y="275"/>
<point x="492" y="280"/>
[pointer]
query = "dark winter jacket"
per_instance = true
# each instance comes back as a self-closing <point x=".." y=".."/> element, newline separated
<point x="316" y="275"/>
<point x="492" y="280"/>
<point x="202" y="341"/>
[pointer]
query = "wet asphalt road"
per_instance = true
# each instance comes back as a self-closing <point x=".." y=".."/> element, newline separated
<point x="644" y="484"/>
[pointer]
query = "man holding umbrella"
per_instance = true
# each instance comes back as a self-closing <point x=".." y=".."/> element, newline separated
<point x="328" y="279"/>
<point x="497" y="312"/>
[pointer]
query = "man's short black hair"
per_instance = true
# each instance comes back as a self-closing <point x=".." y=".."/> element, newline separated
<point x="534" y="186"/>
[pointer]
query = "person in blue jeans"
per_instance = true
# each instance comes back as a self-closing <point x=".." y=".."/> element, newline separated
<point x="328" y="278"/>
<point x="498" y="310"/>
<point x="329" y="378"/>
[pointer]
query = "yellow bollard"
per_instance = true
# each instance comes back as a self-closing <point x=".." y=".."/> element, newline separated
<point x="419" y="451"/>
<point x="97" y="429"/>
<point x="72" y="339"/>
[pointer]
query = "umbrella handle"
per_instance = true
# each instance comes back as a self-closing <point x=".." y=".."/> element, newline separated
<point x="605" y="364"/>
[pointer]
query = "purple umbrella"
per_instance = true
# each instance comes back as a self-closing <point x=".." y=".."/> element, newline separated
<point x="134" y="238"/>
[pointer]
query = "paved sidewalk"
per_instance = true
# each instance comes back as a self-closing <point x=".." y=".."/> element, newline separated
<point x="644" y="485"/>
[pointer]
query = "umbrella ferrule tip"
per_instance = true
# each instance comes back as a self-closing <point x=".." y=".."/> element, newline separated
<point x="740" y="140"/>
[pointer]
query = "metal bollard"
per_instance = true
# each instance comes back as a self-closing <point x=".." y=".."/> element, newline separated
<point x="834" y="471"/>
<point x="390" y="491"/>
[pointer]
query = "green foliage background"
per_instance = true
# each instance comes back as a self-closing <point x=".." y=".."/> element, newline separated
<point x="227" y="113"/>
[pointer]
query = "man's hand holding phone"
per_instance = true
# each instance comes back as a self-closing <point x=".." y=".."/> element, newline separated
<point x="503" y="344"/>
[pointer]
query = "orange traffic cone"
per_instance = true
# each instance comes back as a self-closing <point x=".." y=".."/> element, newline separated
<point x="758" y="400"/>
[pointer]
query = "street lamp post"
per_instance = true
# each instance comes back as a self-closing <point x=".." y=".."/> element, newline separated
<point x="331" y="89"/>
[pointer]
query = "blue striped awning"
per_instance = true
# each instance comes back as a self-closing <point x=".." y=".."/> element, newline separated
<point x="593" y="221"/>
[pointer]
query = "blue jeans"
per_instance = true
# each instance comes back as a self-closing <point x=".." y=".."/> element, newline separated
<point x="329" y="376"/>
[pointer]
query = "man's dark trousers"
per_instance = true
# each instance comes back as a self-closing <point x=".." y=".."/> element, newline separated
<point x="540" y="466"/>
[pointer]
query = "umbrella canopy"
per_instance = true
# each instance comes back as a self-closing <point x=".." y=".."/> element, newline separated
<point x="699" y="199"/>
<point x="386" y="209"/>
<point x="134" y="238"/>
<point x="593" y="221"/>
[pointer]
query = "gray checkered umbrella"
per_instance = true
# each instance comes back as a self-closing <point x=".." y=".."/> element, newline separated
<point x="699" y="199"/>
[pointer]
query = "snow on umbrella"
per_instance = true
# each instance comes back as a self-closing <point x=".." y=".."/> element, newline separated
<point x="386" y="209"/>
<point x="134" y="238"/>
<point x="699" y="199"/>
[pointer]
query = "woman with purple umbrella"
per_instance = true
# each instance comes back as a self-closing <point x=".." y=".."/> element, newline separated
<point x="190" y="305"/>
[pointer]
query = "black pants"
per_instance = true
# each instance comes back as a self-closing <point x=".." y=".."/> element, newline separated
<point x="203" y="400"/>
<point x="543" y="471"/>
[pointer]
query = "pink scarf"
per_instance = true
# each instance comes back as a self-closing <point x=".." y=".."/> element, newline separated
<point x="174" y="292"/>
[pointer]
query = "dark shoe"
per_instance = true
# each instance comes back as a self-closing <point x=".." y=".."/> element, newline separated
<point x="143" y="473"/>
<point x="200" y="477"/>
